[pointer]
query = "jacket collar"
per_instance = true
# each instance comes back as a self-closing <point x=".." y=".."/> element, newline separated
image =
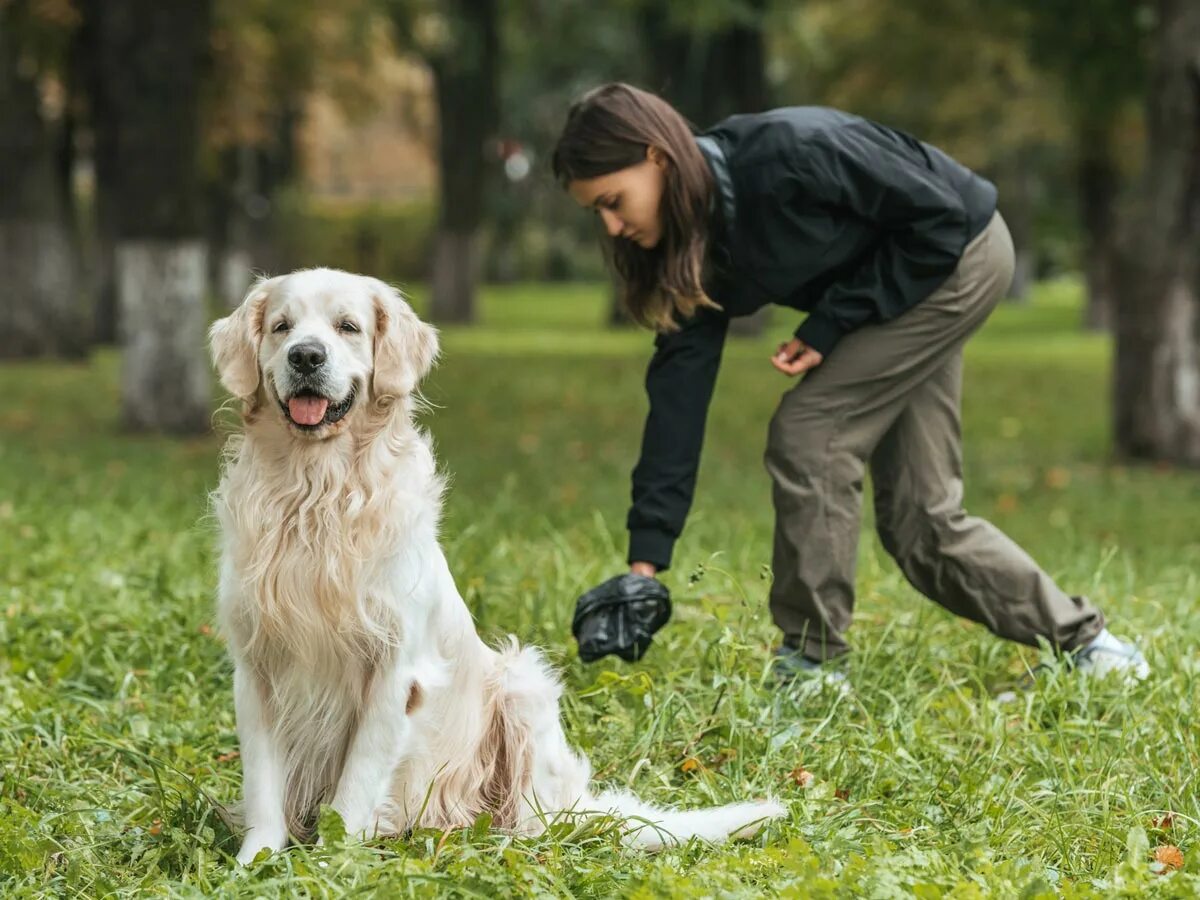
<point x="719" y="166"/>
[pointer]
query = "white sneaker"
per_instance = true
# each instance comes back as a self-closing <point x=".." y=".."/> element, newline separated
<point x="1107" y="654"/>
<point x="804" y="678"/>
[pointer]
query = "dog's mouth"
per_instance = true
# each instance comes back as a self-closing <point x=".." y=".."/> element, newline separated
<point x="308" y="410"/>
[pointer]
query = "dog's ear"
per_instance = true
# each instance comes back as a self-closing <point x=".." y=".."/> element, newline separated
<point x="405" y="347"/>
<point x="234" y="341"/>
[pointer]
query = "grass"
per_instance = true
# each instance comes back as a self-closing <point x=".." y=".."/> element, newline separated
<point x="116" y="718"/>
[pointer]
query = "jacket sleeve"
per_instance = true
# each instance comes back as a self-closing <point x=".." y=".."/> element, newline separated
<point x="922" y="219"/>
<point x="679" y="383"/>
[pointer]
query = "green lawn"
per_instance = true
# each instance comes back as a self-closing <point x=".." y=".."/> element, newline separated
<point x="116" y="716"/>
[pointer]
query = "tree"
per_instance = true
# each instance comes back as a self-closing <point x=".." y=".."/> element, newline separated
<point x="1101" y="71"/>
<point x="709" y="61"/>
<point x="1157" y="370"/>
<point x="41" y="312"/>
<point x="147" y="62"/>
<point x="927" y="67"/>
<point x="460" y="41"/>
<point x="553" y="52"/>
<point x="270" y="56"/>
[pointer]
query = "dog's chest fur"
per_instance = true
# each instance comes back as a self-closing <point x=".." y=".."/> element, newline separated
<point x="311" y="540"/>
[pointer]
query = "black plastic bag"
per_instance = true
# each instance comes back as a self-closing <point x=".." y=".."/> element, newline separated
<point x="620" y="616"/>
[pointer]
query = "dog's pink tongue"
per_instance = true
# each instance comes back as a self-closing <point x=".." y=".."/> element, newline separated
<point x="307" y="410"/>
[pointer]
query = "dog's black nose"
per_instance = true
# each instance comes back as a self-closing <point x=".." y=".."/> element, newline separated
<point x="307" y="358"/>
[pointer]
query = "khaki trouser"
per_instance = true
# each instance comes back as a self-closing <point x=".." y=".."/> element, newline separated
<point x="890" y="394"/>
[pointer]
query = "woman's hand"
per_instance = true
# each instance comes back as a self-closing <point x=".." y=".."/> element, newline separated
<point x="795" y="357"/>
<point x="643" y="568"/>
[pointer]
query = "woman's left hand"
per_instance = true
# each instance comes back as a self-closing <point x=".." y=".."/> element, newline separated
<point x="795" y="357"/>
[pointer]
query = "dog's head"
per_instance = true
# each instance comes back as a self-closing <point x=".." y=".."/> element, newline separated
<point x="319" y="343"/>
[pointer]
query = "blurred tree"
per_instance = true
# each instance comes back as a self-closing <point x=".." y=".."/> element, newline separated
<point x="1157" y="368"/>
<point x="269" y="57"/>
<point x="708" y="58"/>
<point x="147" y="60"/>
<point x="460" y="40"/>
<point x="554" y="50"/>
<point x="42" y="310"/>
<point x="1100" y="64"/>
<point x="103" y="151"/>
<point x="928" y="67"/>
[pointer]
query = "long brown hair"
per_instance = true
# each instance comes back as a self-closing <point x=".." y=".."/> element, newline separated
<point x="610" y="128"/>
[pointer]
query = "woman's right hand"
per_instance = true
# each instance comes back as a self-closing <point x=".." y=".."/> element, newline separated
<point x="794" y="357"/>
<point x="643" y="568"/>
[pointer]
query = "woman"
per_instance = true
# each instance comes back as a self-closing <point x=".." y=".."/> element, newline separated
<point x="897" y="254"/>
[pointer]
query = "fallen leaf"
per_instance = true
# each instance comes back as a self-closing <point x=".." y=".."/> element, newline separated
<point x="842" y="793"/>
<point x="1169" y="855"/>
<point x="690" y="764"/>
<point x="802" y="777"/>
<point x="1164" y="822"/>
<point x="228" y="757"/>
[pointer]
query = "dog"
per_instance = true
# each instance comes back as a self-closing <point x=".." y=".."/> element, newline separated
<point x="359" y="679"/>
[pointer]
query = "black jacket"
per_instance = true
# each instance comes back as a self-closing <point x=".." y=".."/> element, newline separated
<point x="825" y="212"/>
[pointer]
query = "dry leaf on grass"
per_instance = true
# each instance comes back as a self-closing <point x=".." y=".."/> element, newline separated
<point x="801" y="777"/>
<point x="1164" y="822"/>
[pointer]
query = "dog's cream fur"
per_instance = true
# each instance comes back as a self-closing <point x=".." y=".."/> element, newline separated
<point x="359" y="678"/>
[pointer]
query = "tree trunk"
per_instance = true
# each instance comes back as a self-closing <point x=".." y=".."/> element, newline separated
<point x="708" y="76"/>
<point x="1098" y="189"/>
<point x="102" y="282"/>
<point x="455" y="273"/>
<point x="163" y="316"/>
<point x="466" y="85"/>
<point x="150" y="57"/>
<point x="1157" y="368"/>
<point x="102" y="125"/>
<point x="37" y="312"/>
<point x="230" y="261"/>
<point x="40" y="312"/>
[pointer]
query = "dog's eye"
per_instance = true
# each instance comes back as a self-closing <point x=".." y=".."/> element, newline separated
<point x="348" y="328"/>
<point x="281" y="326"/>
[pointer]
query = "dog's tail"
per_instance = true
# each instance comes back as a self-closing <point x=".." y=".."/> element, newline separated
<point x="527" y="728"/>
<point x="650" y="827"/>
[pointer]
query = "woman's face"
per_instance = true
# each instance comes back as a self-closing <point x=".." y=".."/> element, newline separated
<point x="629" y="200"/>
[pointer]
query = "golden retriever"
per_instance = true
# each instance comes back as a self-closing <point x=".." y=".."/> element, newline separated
<point x="359" y="679"/>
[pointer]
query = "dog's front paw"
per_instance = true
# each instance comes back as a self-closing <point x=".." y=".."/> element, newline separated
<point x="359" y="828"/>
<point x="258" y="839"/>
